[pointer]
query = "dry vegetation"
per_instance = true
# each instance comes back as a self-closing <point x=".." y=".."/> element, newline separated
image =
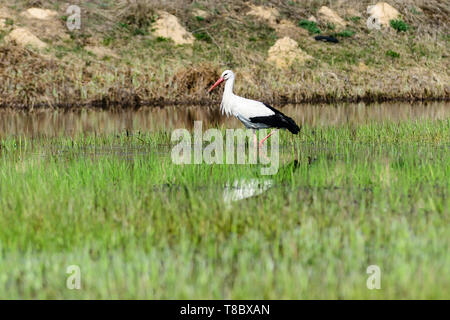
<point x="147" y="70"/>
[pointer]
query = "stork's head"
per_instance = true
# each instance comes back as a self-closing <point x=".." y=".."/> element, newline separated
<point x="227" y="74"/>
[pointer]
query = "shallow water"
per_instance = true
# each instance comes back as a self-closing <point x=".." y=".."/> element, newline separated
<point x="53" y="123"/>
<point x="70" y="123"/>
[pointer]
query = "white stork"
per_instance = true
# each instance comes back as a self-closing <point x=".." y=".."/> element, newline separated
<point x="253" y="114"/>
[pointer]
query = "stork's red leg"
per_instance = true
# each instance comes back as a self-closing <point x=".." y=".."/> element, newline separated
<point x="262" y="141"/>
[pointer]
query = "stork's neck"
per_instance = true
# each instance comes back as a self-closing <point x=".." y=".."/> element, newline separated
<point x="228" y="88"/>
<point x="226" y="105"/>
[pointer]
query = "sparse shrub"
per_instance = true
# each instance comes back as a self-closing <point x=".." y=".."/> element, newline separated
<point x="346" y="33"/>
<point x="140" y="32"/>
<point x="311" y="26"/>
<point x="413" y="10"/>
<point x="393" y="54"/>
<point x="331" y="26"/>
<point x="203" y="36"/>
<point x="108" y="40"/>
<point x="136" y="12"/>
<point x="195" y="79"/>
<point x="399" y="25"/>
<point x="33" y="3"/>
<point x="354" y="19"/>
<point x="123" y="25"/>
<point x="199" y="18"/>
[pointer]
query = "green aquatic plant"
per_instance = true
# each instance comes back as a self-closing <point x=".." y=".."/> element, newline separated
<point x="140" y="227"/>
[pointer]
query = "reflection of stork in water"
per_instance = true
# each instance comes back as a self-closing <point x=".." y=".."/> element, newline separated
<point x="247" y="188"/>
<point x="253" y="114"/>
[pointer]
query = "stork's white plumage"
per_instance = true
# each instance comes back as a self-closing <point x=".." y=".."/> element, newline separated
<point x="253" y="114"/>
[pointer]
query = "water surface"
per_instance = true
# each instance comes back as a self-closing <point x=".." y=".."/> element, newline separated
<point x="69" y="123"/>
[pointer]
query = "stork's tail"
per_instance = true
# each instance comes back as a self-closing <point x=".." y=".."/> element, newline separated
<point x="291" y="125"/>
<point x="278" y="120"/>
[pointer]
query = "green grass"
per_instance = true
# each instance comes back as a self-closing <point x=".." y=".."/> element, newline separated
<point x="399" y="25"/>
<point x="392" y="54"/>
<point x="311" y="26"/>
<point x="203" y="36"/>
<point x="9" y="22"/>
<point x="354" y="19"/>
<point x="346" y="33"/>
<point x="141" y="227"/>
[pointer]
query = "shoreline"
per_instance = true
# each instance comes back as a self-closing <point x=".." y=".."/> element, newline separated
<point x="126" y="64"/>
<point x="163" y="103"/>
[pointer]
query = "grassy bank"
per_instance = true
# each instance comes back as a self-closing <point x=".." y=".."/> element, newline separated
<point x="137" y="68"/>
<point x="139" y="226"/>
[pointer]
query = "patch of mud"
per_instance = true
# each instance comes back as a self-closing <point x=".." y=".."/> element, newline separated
<point x="47" y="24"/>
<point x="168" y="26"/>
<point x="200" y="13"/>
<point x="383" y="12"/>
<point x="328" y="15"/>
<point x="5" y="13"/>
<point x="264" y="13"/>
<point x="40" y="14"/>
<point x="25" y="37"/>
<point x="287" y="28"/>
<point x="284" y="28"/>
<point x="351" y="12"/>
<point x="285" y="52"/>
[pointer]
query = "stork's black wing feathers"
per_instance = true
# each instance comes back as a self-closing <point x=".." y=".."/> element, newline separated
<point x="278" y="120"/>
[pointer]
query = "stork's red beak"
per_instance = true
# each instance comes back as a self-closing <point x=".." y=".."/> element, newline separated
<point x="216" y="84"/>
